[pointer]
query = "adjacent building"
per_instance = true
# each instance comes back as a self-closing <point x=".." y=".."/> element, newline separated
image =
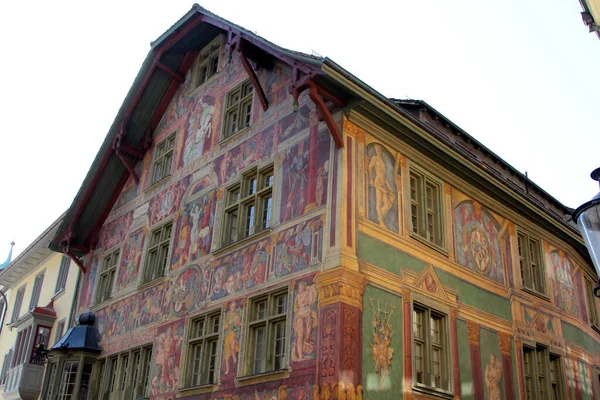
<point x="260" y="224"/>
<point x="591" y="15"/>
<point x="40" y="287"/>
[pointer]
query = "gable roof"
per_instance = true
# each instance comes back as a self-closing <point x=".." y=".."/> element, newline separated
<point x="172" y="55"/>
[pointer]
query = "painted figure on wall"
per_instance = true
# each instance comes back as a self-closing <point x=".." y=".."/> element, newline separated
<point x="130" y="261"/>
<point x="186" y="290"/>
<point x="493" y="374"/>
<point x="165" y="371"/>
<point x="166" y="202"/>
<point x="296" y="246"/>
<point x="295" y="178"/>
<point x="114" y="232"/>
<point x="478" y="240"/>
<point x="382" y="340"/>
<point x="383" y="196"/>
<point x="566" y="282"/>
<point x="199" y="131"/>
<point x="255" y="148"/>
<point x="305" y="322"/>
<point x="231" y="341"/>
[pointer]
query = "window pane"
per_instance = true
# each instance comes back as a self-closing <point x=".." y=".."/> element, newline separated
<point x="249" y="225"/>
<point x="279" y="345"/>
<point x="259" y="349"/>
<point x="281" y="304"/>
<point x="266" y="213"/>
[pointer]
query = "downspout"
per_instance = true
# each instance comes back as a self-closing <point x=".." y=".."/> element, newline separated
<point x="75" y="297"/>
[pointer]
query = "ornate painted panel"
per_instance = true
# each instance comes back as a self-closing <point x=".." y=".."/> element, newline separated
<point x="128" y="271"/>
<point x="383" y="185"/>
<point x="298" y="247"/>
<point x="566" y="282"/>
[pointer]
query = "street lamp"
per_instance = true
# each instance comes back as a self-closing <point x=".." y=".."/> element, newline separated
<point x="587" y="217"/>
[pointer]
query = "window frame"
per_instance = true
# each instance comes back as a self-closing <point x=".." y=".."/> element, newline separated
<point x="113" y="379"/>
<point x="63" y="274"/>
<point x="164" y="244"/>
<point x="60" y="329"/>
<point x="158" y="159"/>
<point x="107" y="274"/>
<point x="257" y="196"/>
<point x="269" y="322"/>
<point x="18" y="304"/>
<point x="526" y="266"/>
<point x="424" y="179"/>
<point x="594" y="312"/>
<point x="37" y="290"/>
<point x="444" y="346"/>
<point x="194" y="365"/>
<point x="531" y="372"/>
<point x="230" y="108"/>
<point x="197" y="78"/>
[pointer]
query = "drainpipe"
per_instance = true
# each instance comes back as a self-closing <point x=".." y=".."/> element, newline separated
<point x="74" y="301"/>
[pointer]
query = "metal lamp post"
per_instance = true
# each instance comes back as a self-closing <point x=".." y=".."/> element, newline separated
<point x="587" y="216"/>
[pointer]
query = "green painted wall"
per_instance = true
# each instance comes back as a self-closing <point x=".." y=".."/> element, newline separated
<point x="576" y="336"/>
<point x="391" y="259"/>
<point x="490" y="344"/>
<point x="476" y="297"/>
<point x="391" y="387"/>
<point x="464" y="361"/>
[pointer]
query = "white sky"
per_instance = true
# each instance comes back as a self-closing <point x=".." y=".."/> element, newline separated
<point x="520" y="76"/>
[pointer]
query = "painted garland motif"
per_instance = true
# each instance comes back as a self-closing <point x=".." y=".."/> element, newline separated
<point x="480" y="250"/>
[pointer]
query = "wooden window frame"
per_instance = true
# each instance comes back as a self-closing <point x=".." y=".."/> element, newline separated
<point x="18" y="303"/>
<point x="204" y="332"/>
<point x="257" y="185"/>
<point x="154" y="268"/>
<point x="63" y="273"/>
<point x="117" y="378"/>
<point x="60" y="329"/>
<point x="275" y="359"/>
<point x="163" y="160"/>
<point x="209" y="61"/>
<point x="106" y="276"/>
<point x="537" y="362"/>
<point x="419" y="209"/>
<point x="429" y="347"/>
<point x="594" y="314"/>
<point x="530" y="280"/>
<point x="239" y="105"/>
<point x="37" y="290"/>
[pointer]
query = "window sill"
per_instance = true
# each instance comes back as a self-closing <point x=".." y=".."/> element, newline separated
<point x="596" y="328"/>
<point x="433" y="391"/>
<point x="58" y="294"/>
<point x="238" y="133"/>
<point x="235" y="245"/>
<point x="262" y="377"/>
<point x="193" y="91"/>
<point x="157" y="184"/>
<point x="436" y="247"/>
<point x="201" y="389"/>
<point x="146" y="285"/>
<point x="535" y="293"/>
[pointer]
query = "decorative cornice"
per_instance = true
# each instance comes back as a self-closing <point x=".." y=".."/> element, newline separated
<point x="354" y="131"/>
<point x="473" y="332"/>
<point x="340" y="284"/>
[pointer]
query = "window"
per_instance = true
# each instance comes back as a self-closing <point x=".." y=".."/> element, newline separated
<point x="530" y="262"/>
<point x="6" y="365"/>
<point x="542" y="374"/>
<point x="426" y="208"/>
<point x="18" y="303"/>
<point x="37" y="289"/>
<point x="249" y="205"/>
<point x="592" y="302"/>
<point x="238" y="111"/>
<point x="163" y="157"/>
<point x="430" y="348"/>
<point x="158" y="251"/>
<point x="63" y="272"/>
<point x="107" y="275"/>
<point x="202" y="350"/>
<point x="67" y="380"/>
<point x="42" y="336"/>
<point x="208" y="62"/>
<point x="267" y="333"/>
<point x="126" y="375"/>
<point x="60" y="329"/>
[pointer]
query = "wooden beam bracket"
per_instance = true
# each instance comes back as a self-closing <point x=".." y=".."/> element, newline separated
<point x="252" y="74"/>
<point x="169" y="71"/>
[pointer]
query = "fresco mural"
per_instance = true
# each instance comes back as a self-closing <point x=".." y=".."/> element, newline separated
<point x="164" y="372"/>
<point x="493" y="375"/>
<point x="382" y="340"/>
<point x="383" y="177"/>
<point x="538" y="321"/>
<point x="299" y="246"/>
<point x="130" y="259"/>
<point x="294" y="181"/>
<point x="199" y="130"/>
<point x="231" y="336"/>
<point x="194" y="225"/>
<point x="567" y="283"/>
<point x="114" y="232"/>
<point x="243" y="269"/>
<point x="85" y="299"/>
<point x="189" y="290"/>
<point x="479" y="239"/>
<point x="166" y="202"/>
<point x="304" y="321"/>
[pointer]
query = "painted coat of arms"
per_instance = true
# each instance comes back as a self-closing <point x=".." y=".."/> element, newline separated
<point x="382" y="340"/>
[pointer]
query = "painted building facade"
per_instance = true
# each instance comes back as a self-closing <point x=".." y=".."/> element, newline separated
<point x="269" y="227"/>
<point x="40" y="287"/>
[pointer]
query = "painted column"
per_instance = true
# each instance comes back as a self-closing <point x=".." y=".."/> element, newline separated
<point x="507" y="372"/>
<point x="339" y="340"/>
<point x="406" y="340"/>
<point x="520" y="374"/>
<point x="455" y="366"/>
<point x="311" y="201"/>
<point x="575" y="366"/>
<point x="473" y="331"/>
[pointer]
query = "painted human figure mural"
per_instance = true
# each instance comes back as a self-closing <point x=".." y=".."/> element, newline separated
<point x="477" y="243"/>
<point x="304" y="322"/>
<point x="295" y="179"/>
<point x="130" y="260"/>
<point x="566" y="282"/>
<point x="231" y="338"/>
<point x="165" y="371"/>
<point x="493" y="374"/>
<point x="383" y="195"/>
<point x="296" y="246"/>
<point x="199" y="130"/>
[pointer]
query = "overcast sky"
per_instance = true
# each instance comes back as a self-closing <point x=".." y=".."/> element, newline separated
<point x="521" y="76"/>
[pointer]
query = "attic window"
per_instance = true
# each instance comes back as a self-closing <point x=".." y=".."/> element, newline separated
<point x="207" y="64"/>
